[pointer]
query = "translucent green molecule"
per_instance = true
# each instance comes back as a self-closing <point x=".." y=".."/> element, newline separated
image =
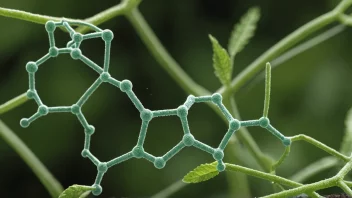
<point x="146" y="115"/>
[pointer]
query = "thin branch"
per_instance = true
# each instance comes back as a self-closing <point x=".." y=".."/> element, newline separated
<point x="282" y="159"/>
<point x="121" y="9"/>
<point x="320" y="145"/>
<point x="315" y="168"/>
<point x="27" y="16"/>
<point x="266" y="176"/>
<point x="13" y="103"/>
<point x="162" y="56"/>
<point x="267" y="89"/>
<point x="170" y="189"/>
<point x="289" y="41"/>
<point x="46" y="178"/>
<point x="344" y="187"/>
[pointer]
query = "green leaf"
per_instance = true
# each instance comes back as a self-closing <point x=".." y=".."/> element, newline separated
<point x="76" y="191"/>
<point x="221" y="62"/>
<point x="201" y="173"/>
<point x="346" y="146"/>
<point x="243" y="31"/>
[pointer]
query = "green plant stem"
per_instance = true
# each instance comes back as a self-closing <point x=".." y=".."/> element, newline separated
<point x="265" y="176"/>
<point x="27" y="16"/>
<point x="344" y="187"/>
<point x="123" y="8"/>
<point x="316" y="40"/>
<point x="244" y="136"/>
<point x="349" y="183"/>
<point x="281" y="160"/>
<point x="267" y="89"/>
<point x="314" y="168"/>
<point x="15" y="102"/>
<point x="303" y="189"/>
<point x="262" y="175"/>
<point x="336" y="180"/>
<point x="289" y="41"/>
<point x="320" y="145"/>
<point x="46" y="178"/>
<point x="162" y="56"/>
<point x="237" y="182"/>
<point x="299" y="49"/>
<point x="170" y="189"/>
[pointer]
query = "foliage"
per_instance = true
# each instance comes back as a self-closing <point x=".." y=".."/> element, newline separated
<point x="243" y="32"/>
<point x="222" y="62"/>
<point x="76" y="191"/>
<point x="201" y="173"/>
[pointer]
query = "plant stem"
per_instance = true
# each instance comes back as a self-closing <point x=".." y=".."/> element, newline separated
<point x="316" y="40"/>
<point x="282" y="158"/>
<point x="162" y="56"/>
<point x="15" y="102"/>
<point x="315" y="168"/>
<point x="320" y="145"/>
<point x="245" y="137"/>
<point x="27" y="16"/>
<point x="237" y="182"/>
<point x="267" y="89"/>
<point x="262" y="175"/>
<point x="121" y="9"/>
<point x="327" y="183"/>
<point x="306" y="188"/>
<point x="170" y="189"/>
<point x="289" y="41"/>
<point x="46" y="178"/>
<point x="349" y="183"/>
<point x="266" y="176"/>
<point x="344" y="187"/>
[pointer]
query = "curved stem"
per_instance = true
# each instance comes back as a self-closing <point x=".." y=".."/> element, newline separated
<point x="267" y="89"/>
<point x="238" y="182"/>
<point x="306" y="188"/>
<point x="282" y="159"/>
<point x="46" y="178"/>
<point x="344" y="187"/>
<point x="27" y="16"/>
<point x="123" y="8"/>
<point x="316" y="40"/>
<point x="289" y="41"/>
<point x="245" y="137"/>
<point x="13" y="103"/>
<point x="320" y="145"/>
<point x="266" y="176"/>
<point x="262" y="175"/>
<point x="170" y="189"/>
<point x="323" y="184"/>
<point x="315" y="168"/>
<point x="162" y="56"/>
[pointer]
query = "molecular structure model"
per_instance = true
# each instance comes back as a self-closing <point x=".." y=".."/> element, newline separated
<point x="146" y="115"/>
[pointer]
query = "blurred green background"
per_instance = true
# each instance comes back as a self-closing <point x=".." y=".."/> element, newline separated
<point x="311" y="94"/>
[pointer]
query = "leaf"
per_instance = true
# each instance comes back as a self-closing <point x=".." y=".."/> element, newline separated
<point x="346" y="145"/>
<point x="221" y="62"/>
<point x="243" y="31"/>
<point x="76" y="191"/>
<point x="202" y="173"/>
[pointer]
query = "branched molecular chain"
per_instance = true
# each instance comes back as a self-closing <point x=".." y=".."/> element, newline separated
<point x="146" y="115"/>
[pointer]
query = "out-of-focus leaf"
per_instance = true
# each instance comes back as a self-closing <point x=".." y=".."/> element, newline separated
<point x="346" y="145"/>
<point x="221" y="62"/>
<point x="243" y="31"/>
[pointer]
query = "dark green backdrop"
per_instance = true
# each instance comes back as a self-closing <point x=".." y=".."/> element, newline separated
<point x="311" y="94"/>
